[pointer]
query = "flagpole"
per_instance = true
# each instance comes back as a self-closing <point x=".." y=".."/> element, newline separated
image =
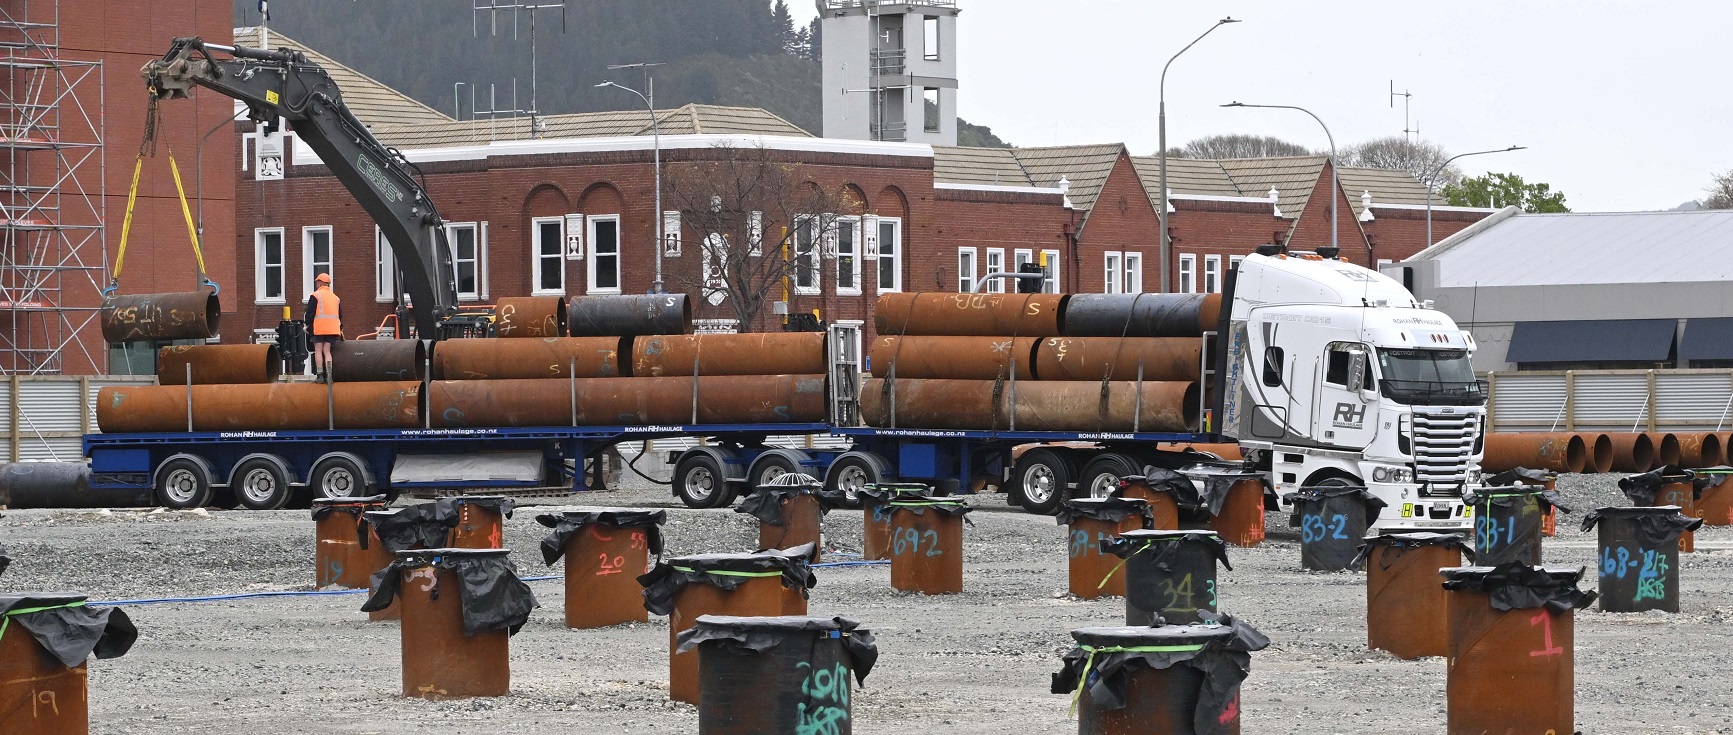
<point x="265" y="24"/>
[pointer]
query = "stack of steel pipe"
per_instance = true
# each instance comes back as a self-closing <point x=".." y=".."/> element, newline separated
<point x="630" y="360"/>
<point x="1037" y="362"/>
<point x="259" y="407"/>
<point x="1559" y="452"/>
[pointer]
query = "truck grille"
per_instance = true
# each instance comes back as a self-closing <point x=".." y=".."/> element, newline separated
<point x="1442" y="446"/>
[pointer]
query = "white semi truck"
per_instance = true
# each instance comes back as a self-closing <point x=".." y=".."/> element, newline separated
<point x="1332" y="374"/>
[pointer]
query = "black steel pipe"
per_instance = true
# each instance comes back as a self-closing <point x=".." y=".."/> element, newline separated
<point x="1140" y="315"/>
<point x="60" y="485"/>
<point x="160" y="317"/>
<point x="376" y="360"/>
<point x="630" y="316"/>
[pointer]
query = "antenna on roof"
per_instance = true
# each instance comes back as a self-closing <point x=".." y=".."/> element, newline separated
<point x="518" y="8"/>
<point x="1407" y="97"/>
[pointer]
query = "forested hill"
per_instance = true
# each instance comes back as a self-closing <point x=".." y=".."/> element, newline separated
<point x="723" y="52"/>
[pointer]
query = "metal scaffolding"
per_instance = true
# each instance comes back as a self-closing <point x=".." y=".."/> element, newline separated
<point x="53" y="255"/>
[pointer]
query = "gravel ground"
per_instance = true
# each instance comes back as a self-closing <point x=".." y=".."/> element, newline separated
<point x="972" y="663"/>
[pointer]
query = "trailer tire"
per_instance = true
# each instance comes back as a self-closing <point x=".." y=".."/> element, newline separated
<point x="851" y="472"/>
<point x="699" y="482"/>
<point x="183" y="484"/>
<point x="1101" y="475"/>
<point x="1048" y="474"/>
<point x="261" y="484"/>
<point x="769" y="467"/>
<point x="338" y="478"/>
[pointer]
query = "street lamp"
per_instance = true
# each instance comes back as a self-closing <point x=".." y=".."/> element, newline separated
<point x="1432" y="177"/>
<point x="656" y="130"/>
<point x="1335" y="211"/>
<point x="1161" y="126"/>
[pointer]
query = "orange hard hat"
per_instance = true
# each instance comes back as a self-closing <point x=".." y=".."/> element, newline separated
<point x="322" y="278"/>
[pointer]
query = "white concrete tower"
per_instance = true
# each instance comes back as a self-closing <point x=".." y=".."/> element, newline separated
<point x="890" y="70"/>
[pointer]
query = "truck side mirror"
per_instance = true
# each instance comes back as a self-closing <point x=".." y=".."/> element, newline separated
<point x="1357" y="371"/>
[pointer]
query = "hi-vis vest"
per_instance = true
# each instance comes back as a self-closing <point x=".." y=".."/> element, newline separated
<point x="325" y="318"/>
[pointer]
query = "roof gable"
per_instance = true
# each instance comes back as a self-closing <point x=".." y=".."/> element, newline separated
<point x="1085" y="167"/>
<point x="373" y="102"/>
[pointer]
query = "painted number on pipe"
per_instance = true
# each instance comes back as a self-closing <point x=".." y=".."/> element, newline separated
<point x="910" y="539"/>
<point x="1313" y="528"/>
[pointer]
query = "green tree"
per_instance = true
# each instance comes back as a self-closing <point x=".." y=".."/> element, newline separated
<point x="978" y="136"/>
<point x="1503" y="190"/>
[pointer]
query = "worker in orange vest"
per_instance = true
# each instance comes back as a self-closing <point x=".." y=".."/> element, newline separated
<point x="324" y="317"/>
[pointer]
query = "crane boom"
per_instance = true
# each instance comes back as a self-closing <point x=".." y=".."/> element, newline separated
<point x="285" y="84"/>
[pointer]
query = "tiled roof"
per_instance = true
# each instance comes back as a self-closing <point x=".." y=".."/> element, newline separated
<point x="1184" y="176"/>
<point x="1085" y="166"/>
<point x="1292" y="176"/>
<point x="374" y="103"/>
<point x="991" y="166"/>
<point x="690" y="119"/>
<point x="1388" y="186"/>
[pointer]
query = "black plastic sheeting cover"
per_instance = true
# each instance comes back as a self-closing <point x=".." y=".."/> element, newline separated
<point x="1183" y="490"/>
<point x="572" y="521"/>
<point x="1709" y="478"/>
<point x="660" y="584"/>
<point x="1516" y="475"/>
<point x="1518" y="586"/>
<point x="5" y="561"/>
<point x="352" y="506"/>
<point x="72" y="633"/>
<point x="426" y="525"/>
<point x="1129" y="545"/>
<point x="760" y="634"/>
<point x="1408" y="541"/>
<point x="881" y="493"/>
<point x="493" y="596"/>
<point x="1110" y="509"/>
<point x="1514" y="494"/>
<point x="1657" y="526"/>
<point x="1224" y="661"/>
<point x="1374" y="505"/>
<point x="921" y="504"/>
<point x="1642" y="489"/>
<point x="765" y="503"/>
<point x="1215" y="488"/>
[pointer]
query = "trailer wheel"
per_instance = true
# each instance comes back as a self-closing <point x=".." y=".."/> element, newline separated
<point x="1101" y="475"/>
<point x="260" y="484"/>
<point x="1042" y="478"/>
<point x="182" y="484"/>
<point x="770" y="467"/>
<point x="699" y="482"/>
<point x="850" y="473"/>
<point x="338" y="477"/>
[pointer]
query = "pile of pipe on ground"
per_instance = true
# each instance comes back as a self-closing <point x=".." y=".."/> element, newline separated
<point x="635" y="363"/>
<point x="1037" y="362"/>
<point x="1592" y="452"/>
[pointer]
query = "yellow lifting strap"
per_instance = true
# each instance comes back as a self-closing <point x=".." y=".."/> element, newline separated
<point x="148" y="146"/>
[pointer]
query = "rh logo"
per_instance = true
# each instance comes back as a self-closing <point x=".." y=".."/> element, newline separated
<point x="1349" y="416"/>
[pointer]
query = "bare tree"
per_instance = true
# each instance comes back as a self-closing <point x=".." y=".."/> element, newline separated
<point x="758" y="220"/>
<point x="1239" y="146"/>
<point x="1417" y="157"/>
<point x="1720" y="192"/>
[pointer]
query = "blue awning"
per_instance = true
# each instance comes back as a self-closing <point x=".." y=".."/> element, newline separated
<point x="1707" y="339"/>
<point x="1592" y="341"/>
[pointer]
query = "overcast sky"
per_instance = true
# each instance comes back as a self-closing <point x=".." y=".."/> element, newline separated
<point x="1623" y="105"/>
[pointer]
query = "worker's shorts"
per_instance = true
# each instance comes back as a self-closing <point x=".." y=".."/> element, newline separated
<point x="325" y="339"/>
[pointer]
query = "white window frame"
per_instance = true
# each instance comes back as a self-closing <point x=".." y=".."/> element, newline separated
<point x="596" y="255"/>
<point x="261" y="268"/>
<point x="308" y="263"/>
<point x="807" y="225"/>
<point x="540" y="259"/>
<point x="387" y="280"/>
<point x="849" y="259"/>
<point x="1133" y="282"/>
<point x="932" y="34"/>
<point x="1052" y="283"/>
<point x="1212" y="273"/>
<point x="451" y="230"/>
<point x="1234" y="262"/>
<point x="890" y="249"/>
<point x="1113" y="269"/>
<point x="671" y="234"/>
<point x="1187" y="273"/>
<point x="967" y="270"/>
<point x="995" y="262"/>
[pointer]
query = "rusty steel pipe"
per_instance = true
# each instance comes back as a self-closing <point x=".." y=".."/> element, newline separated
<point x="520" y="359"/>
<point x="1600" y="453"/>
<point x="1039" y="406"/>
<point x="1140" y="315"/>
<point x="377" y="360"/>
<point x="722" y="399"/>
<point x="1556" y="452"/>
<point x="1112" y="358"/>
<point x="630" y="316"/>
<point x="1632" y="452"/>
<point x="529" y="316"/>
<point x="769" y="353"/>
<point x="214" y="364"/>
<point x="160" y="316"/>
<point x="269" y="407"/>
<point x="1666" y="448"/>
<point x="961" y="358"/>
<point x="970" y="314"/>
<point x="1699" y="450"/>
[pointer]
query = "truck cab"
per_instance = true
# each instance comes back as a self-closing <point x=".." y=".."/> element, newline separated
<point x="1333" y="374"/>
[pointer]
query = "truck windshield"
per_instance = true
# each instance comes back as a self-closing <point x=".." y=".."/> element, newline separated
<point x="1438" y="377"/>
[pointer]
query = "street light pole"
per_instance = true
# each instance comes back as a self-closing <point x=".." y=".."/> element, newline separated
<point x="1161" y="127"/>
<point x="656" y="131"/>
<point x="1431" y="178"/>
<point x="1335" y="211"/>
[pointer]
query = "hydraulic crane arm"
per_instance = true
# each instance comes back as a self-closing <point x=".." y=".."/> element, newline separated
<point x="284" y="84"/>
